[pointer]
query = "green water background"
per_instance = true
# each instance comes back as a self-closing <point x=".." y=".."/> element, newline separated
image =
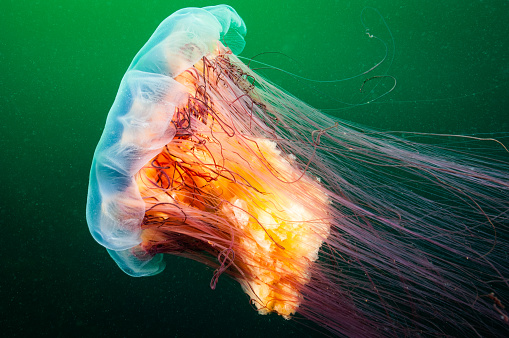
<point x="60" y="66"/>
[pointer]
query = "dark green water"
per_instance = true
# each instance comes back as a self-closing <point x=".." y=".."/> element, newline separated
<point x="61" y="63"/>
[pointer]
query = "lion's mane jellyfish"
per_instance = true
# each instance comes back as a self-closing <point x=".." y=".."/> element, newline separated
<point x="363" y="232"/>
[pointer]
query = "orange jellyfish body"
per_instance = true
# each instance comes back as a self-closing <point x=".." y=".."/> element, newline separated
<point x="221" y="189"/>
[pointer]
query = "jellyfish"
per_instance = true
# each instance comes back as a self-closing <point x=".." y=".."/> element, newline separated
<point x="360" y="231"/>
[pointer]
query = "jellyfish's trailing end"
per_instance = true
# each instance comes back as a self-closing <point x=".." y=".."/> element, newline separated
<point x="362" y="232"/>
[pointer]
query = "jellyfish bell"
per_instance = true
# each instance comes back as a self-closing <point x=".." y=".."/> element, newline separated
<point x="138" y="122"/>
<point x="203" y="158"/>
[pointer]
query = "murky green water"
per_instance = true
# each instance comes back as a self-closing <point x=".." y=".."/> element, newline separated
<point x="60" y="66"/>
